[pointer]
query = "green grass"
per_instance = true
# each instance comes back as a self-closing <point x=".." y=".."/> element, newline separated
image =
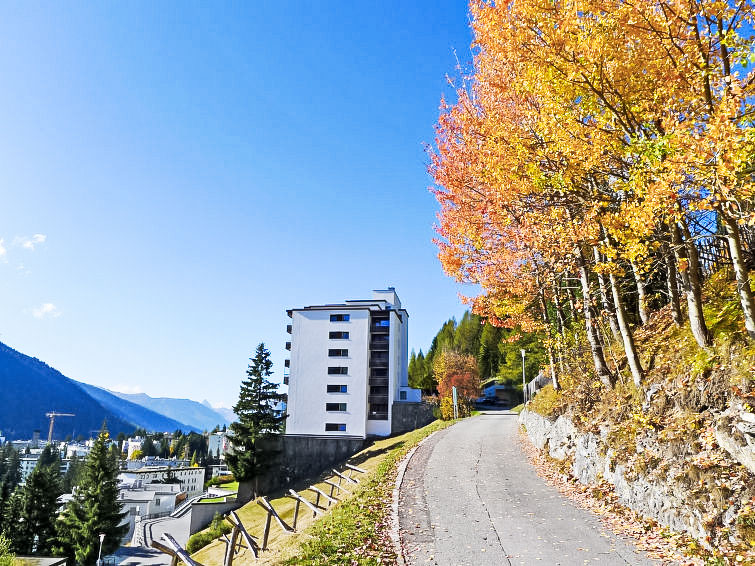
<point x="351" y="531"/>
<point x="351" y="534"/>
<point x="518" y="409"/>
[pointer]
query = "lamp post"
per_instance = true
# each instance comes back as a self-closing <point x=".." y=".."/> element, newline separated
<point x="524" y="380"/>
<point x="99" y="555"/>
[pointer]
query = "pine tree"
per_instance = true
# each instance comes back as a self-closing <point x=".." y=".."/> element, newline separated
<point x="10" y="477"/>
<point x="73" y="475"/>
<point x="39" y="506"/>
<point x="94" y="509"/>
<point x="259" y="421"/>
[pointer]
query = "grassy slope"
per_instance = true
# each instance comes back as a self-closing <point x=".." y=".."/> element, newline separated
<point x="353" y="530"/>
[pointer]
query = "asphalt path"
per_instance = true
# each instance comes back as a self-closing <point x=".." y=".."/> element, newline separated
<point x="470" y="496"/>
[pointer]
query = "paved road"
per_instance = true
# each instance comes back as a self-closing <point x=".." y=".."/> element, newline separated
<point x="469" y="496"/>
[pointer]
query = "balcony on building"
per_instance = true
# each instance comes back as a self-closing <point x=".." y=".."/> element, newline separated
<point x="379" y="360"/>
<point x="288" y="328"/>
<point x="379" y="342"/>
<point x="287" y="363"/>
<point x="288" y="346"/>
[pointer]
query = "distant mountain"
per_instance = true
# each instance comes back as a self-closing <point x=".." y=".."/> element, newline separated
<point x="133" y="412"/>
<point x="227" y="413"/>
<point x="185" y="410"/>
<point x="30" y="388"/>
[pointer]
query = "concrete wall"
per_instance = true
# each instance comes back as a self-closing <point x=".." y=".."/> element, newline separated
<point x="409" y="416"/>
<point x="202" y="514"/>
<point x="302" y="457"/>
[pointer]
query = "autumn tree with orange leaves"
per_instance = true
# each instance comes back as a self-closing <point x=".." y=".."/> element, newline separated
<point x="580" y="156"/>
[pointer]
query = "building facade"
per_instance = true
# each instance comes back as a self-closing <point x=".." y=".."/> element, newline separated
<point x="348" y="366"/>
<point x="191" y="480"/>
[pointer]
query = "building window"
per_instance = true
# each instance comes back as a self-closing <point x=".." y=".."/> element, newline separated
<point x="402" y="395"/>
<point x="338" y="407"/>
<point x="337" y="389"/>
<point x="157" y="502"/>
<point x="335" y="427"/>
<point x="338" y="335"/>
<point x="339" y="318"/>
<point x="337" y="370"/>
<point x="337" y="353"/>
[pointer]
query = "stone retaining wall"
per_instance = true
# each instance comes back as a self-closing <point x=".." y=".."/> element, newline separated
<point x="664" y="499"/>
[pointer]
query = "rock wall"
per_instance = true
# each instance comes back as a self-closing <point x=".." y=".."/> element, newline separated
<point x="663" y="497"/>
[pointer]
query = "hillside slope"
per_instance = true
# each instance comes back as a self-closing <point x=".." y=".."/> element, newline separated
<point x="30" y="388"/>
<point x="683" y="440"/>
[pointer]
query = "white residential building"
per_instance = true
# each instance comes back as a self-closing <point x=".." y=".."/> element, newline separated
<point x="191" y="479"/>
<point x="349" y="364"/>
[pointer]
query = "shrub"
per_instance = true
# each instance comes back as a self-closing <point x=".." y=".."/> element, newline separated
<point x="6" y="556"/>
<point x="219" y="480"/>
<point x="218" y="527"/>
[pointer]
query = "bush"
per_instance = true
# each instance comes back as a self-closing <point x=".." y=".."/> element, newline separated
<point x="6" y="556"/>
<point x="218" y="527"/>
<point x="219" y="480"/>
<point x="464" y="406"/>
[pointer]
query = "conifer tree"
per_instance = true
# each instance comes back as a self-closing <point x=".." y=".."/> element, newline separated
<point x="94" y="509"/>
<point x="10" y="477"/>
<point x="38" y="501"/>
<point x="73" y="475"/>
<point x="259" y="421"/>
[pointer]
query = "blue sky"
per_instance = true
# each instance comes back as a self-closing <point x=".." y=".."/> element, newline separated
<point x="174" y="176"/>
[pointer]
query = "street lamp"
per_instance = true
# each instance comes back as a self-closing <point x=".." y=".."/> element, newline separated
<point x="99" y="556"/>
<point x="524" y="381"/>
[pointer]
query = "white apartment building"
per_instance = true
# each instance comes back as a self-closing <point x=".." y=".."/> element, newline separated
<point x="191" y="479"/>
<point x="348" y="365"/>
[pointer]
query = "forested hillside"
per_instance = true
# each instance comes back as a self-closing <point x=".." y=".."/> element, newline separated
<point x="496" y="351"/>
<point x="596" y="182"/>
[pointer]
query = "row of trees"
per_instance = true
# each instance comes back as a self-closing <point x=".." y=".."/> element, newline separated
<point x="595" y="149"/>
<point x="29" y="515"/>
<point x="496" y="351"/>
<point x="191" y="446"/>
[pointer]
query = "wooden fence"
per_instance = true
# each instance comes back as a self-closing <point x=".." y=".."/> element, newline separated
<point x="240" y="539"/>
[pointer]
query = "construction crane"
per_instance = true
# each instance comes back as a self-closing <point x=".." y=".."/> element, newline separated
<point x="51" y="415"/>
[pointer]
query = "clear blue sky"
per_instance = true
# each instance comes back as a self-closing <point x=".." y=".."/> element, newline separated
<point x="174" y="176"/>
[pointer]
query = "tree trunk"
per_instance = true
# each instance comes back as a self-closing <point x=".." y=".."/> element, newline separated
<point x="549" y="330"/>
<point x="607" y="299"/>
<point x="685" y="252"/>
<point x="560" y="317"/>
<point x="672" y="286"/>
<point x="572" y="302"/>
<point x="740" y="271"/>
<point x="642" y="301"/>
<point x="635" y="366"/>
<point x="598" y="358"/>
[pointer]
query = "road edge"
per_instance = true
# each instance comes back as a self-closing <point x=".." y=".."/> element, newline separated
<point x="395" y="532"/>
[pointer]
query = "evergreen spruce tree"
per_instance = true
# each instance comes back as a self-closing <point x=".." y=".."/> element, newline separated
<point x="73" y="475"/>
<point x="39" y="506"/>
<point x="13" y="527"/>
<point x="94" y="509"/>
<point x="259" y="421"/>
<point x="10" y="477"/>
